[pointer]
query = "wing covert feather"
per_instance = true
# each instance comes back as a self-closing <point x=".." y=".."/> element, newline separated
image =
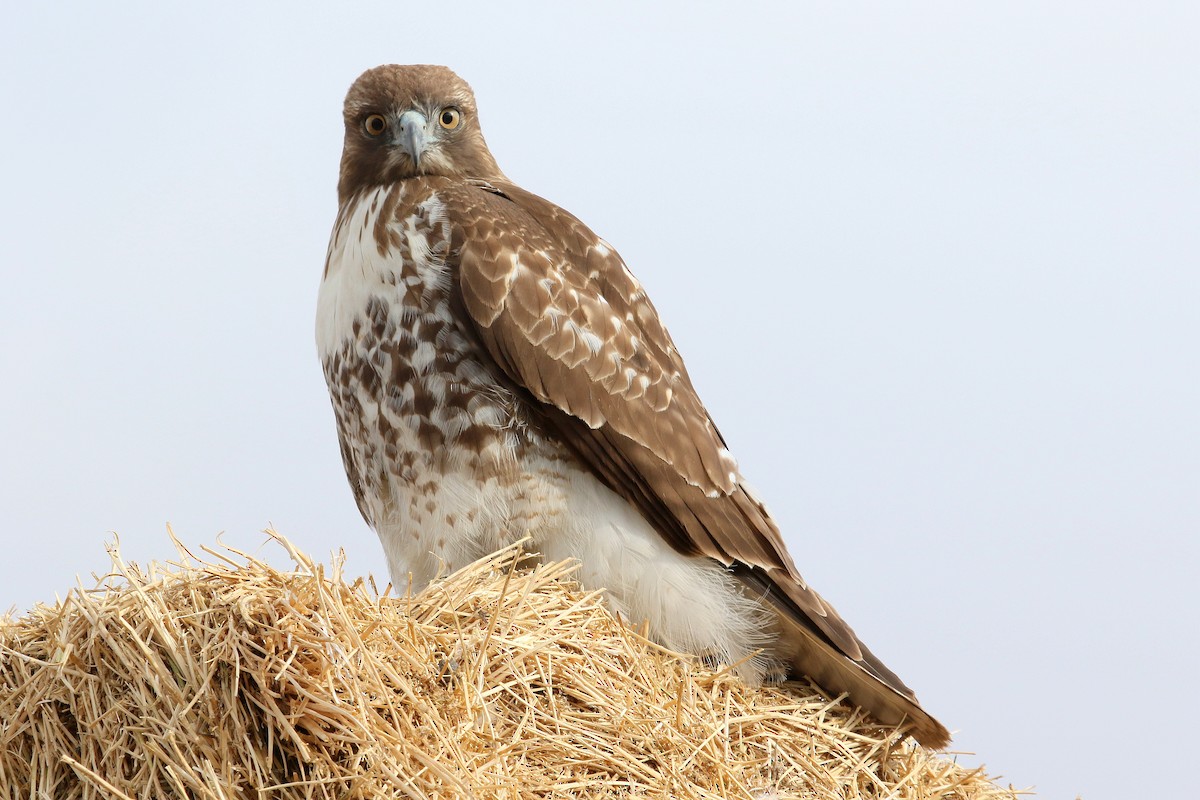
<point x="578" y="331"/>
<point x="591" y="344"/>
<point x="559" y="311"/>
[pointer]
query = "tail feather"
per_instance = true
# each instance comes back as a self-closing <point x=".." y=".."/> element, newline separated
<point x="866" y="680"/>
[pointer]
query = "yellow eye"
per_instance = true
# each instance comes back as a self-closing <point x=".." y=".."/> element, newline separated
<point x="450" y="118"/>
<point x="374" y="125"/>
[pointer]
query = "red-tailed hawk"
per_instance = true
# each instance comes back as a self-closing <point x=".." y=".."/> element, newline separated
<point x="496" y="372"/>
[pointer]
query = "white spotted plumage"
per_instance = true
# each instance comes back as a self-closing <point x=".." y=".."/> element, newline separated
<point x="466" y="510"/>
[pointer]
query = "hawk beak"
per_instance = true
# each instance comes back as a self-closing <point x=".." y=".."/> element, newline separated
<point x="411" y="136"/>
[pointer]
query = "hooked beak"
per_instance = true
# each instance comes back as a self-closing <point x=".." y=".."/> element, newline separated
<point x="411" y="136"/>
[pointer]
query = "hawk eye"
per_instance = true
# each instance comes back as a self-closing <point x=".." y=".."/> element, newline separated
<point x="450" y="118"/>
<point x="374" y="125"/>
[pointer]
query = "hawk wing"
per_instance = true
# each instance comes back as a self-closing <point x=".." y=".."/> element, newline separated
<point x="558" y="310"/>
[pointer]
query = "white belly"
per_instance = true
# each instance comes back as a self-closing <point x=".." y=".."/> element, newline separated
<point x="690" y="605"/>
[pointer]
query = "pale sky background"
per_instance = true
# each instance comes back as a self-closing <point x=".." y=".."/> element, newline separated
<point x="935" y="268"/>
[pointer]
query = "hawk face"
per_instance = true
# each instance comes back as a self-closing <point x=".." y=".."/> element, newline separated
<point x="408" y="121"/>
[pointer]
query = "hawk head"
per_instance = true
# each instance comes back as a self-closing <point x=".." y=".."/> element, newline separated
<point x="406" y="121"/>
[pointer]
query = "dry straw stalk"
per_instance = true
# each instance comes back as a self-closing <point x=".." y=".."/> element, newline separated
<point x="223" y="677"/>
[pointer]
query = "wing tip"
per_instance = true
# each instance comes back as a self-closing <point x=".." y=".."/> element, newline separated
<point x="927" y="731"/>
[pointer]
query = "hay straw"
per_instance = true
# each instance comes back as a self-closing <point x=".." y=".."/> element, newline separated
<point x="223" y="677"/>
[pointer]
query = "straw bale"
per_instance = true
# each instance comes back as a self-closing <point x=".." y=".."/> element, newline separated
<point x="223" y="677"/>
